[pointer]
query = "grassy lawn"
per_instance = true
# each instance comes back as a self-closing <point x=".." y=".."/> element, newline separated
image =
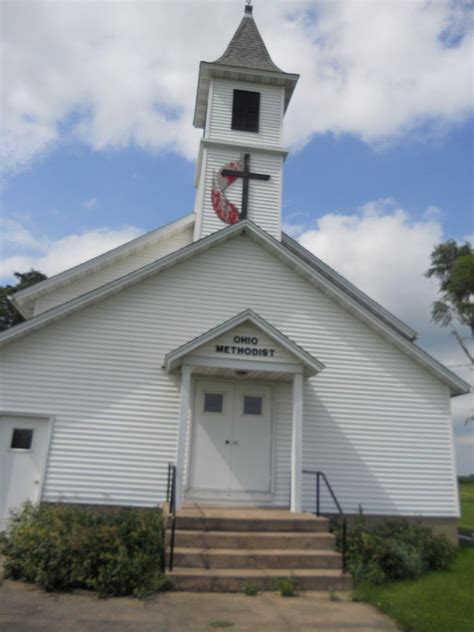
<point x="437" y="602"/>
<point x="466" y="491"/>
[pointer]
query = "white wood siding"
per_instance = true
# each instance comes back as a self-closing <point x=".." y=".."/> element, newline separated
<point x="111" y="271"/>
<point x="220" y="116"/>
<point x="264" y="199"/>
<point x="376" y="422"/>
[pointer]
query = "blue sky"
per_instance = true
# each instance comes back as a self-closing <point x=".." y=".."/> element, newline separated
<point x="76" y="188"/>
<point x="98" y="143"/>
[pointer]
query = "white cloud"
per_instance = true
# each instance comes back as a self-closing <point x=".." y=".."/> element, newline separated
<point x="379" y="69"/>
<point x="14" y="233"/>
<point x="114" y="74"/>
<point x="61" y="254"/>
<point x="385" y="253"/>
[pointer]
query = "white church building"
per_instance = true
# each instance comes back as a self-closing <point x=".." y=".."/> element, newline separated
<point x="217" y="343"/>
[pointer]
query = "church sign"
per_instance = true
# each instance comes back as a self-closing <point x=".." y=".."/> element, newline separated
<point x="245" y="346"/>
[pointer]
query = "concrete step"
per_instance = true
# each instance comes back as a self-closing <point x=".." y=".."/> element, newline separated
<point x="233" y="580"/>
<point x="253" y="540"/>
<point x="255" y="559"/>
<point x="230" y="523"/>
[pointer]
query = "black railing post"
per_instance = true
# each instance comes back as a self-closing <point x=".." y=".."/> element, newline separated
<point x="173" y="515"/>
<point x="168" y="482"/>
<point x="173" y="490"/>
<point x="344" y="530"/>
<point x="318" y="490"/>
<point x="322" y="475"/>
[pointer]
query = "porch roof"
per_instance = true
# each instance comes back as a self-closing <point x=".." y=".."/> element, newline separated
<point x="300" y="357"/>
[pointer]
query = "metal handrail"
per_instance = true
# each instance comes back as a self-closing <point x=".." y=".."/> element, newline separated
<point x="171" y="500"/>
<point x="322" y="475"/>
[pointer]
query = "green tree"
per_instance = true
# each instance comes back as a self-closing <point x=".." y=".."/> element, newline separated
<point x="453" y="265"/>
<point x="9" y="315"/>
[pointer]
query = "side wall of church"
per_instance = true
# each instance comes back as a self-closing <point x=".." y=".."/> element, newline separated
<point x="376" y="422"/>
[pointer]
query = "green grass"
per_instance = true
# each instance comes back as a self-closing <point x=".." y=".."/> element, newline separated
<point x="437" y="602"/>
<point x="466" y="492"/>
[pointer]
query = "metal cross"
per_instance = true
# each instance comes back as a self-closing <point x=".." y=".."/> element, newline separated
<point x="246" y="176"/>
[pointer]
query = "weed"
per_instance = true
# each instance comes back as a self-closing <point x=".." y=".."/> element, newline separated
<point x="286" y="586"/>
<point x="333" y="596"/>
<point x="250" y="589"/>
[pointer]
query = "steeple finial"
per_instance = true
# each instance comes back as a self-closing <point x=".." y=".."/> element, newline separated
<point x="248" y="7"/>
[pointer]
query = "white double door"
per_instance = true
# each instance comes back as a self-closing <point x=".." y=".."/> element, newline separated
<point x="231" y="440"/>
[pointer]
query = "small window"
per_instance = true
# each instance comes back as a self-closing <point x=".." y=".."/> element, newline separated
<point x="213" y="402"/>
<point x="252" y="405"/>
<point x="21" y="439"/>
<point x="245" y="111"/>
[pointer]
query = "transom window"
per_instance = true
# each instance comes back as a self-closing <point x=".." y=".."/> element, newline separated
<point x="246" y="111"/>
<point x="213" y="402"/>
<point x="21" y="439"/>
<point x="252" y="405"/>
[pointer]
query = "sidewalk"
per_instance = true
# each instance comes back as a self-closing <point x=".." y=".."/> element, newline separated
<point x="24" y="608"/>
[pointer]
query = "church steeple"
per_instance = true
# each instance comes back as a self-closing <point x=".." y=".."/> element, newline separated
<point x="241" y="100"/>
<point x="245" y="53"/>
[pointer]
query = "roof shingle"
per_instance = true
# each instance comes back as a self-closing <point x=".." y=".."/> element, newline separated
<point x="247" y="49"/>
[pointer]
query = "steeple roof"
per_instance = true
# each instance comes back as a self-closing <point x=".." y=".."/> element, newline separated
<point x="247" y="48"/>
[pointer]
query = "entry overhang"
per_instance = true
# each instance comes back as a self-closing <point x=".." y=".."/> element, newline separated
<point x="244" y="349"/>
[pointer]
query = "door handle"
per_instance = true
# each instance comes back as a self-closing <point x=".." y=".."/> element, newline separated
<point x="227" y="441"/>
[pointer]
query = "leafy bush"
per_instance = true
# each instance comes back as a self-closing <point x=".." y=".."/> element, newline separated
<point x="285" y="586"/>
<point x="394" y="551"/>
<point x="60" y="547"/>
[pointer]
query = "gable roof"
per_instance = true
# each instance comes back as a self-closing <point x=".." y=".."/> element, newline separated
<point x="298" y="264"/>
<point x="24" y="299"/>
<point x="247" y="49"/>
<point x="311" y="364"/>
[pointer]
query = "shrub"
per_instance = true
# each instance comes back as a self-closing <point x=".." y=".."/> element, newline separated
<point x="394" y="551"/>
<point x="285" y="586"/>
<point x="60" y="547"/>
